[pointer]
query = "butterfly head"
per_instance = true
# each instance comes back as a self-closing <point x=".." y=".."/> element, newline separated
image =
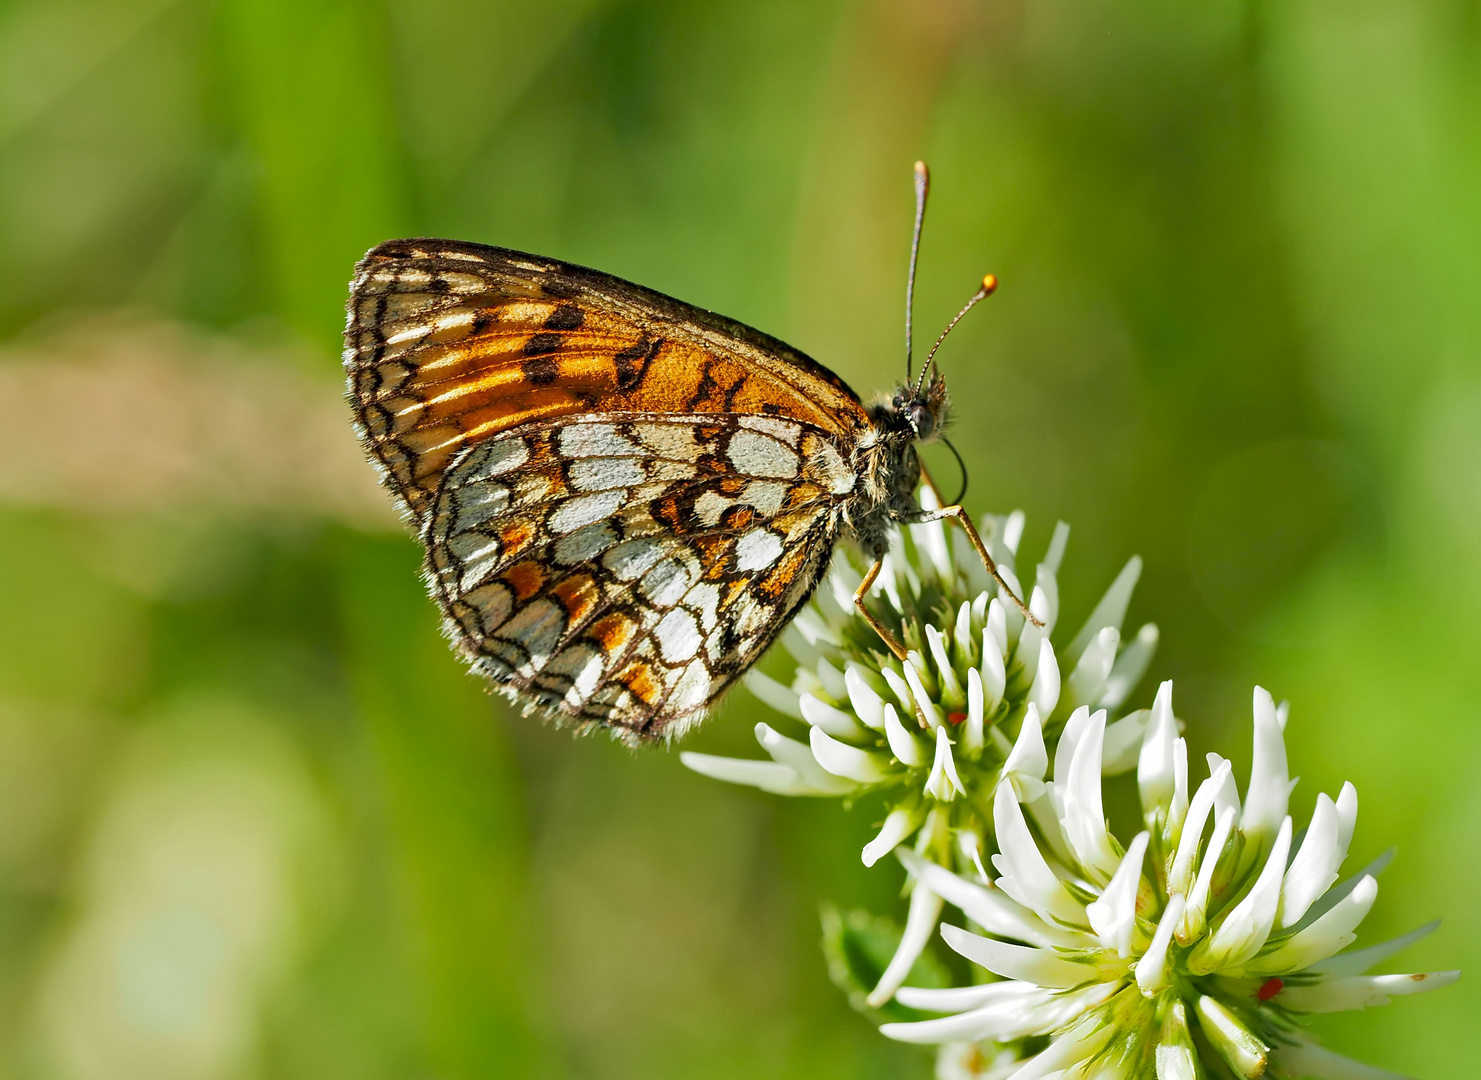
<point x="919" y="413"/>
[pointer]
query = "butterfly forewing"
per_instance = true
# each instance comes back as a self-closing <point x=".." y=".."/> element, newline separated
<point x="450" y="343"/>
<point x="624" y="499"/>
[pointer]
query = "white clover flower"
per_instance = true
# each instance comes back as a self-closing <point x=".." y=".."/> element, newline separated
<point x="1195" y="950"/>
<point x="934" y="732"/>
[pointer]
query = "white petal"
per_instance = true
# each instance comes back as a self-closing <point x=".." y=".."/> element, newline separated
<point x="1333" y="896"/>
<point x="1347" y="816"/>
<point x="1082" y="1041"/>
<point x="1314" y="868"/>
<point x="899" y="688"/>
<point x="1360" y="961"/>
<point x="834" y="721"/>
<point x="1176" y="1058"/>
<point x="943" y="783"/>
<point x="925" y="910"/>
<point x="1194" y="923"/>
<point x="1269" y="788"/>
<point x="1024" y="874"/>
<point x="922" y="699"/>
<point x="1045" y="690"/>
<point x="1240" y="1048"/>
<point x="1111" y="611"/>
<point x="1029" y="1010"/>
<point x="961" y="637"/>
<point x="1151" y="969"/>
<point x="1113" y="916"/>
<point x="1055" y="555"/>
<point x="961" y="998"/>
<point x="1011" y="536"/>
<point x="1360" y="992"/>
<point x="832" y="679"/>
<point x="930" y="541"/>
<point x="1179" y="809"/>
<point x="1029" y="758"/>
<point x="799" y="757"/>
<point x="1226" y="795"/>
<point x="940" y="652"/>
<point x="813" y="629"/>
<point x="996" y="629"/>
<point x="1088" y="680"/>
<point x="994" y="675"/>
<point x="1307" y="1059"/>
<point x="897" y="826"/>
<point x="1180" y="877"/>
<point x="1084" y="815"/>
<point x="1123" y="744"/>
<point x="1245" y="929"/>
<point x="1326" y="936"/>
<point x="890" y="579"/>
<point x="770" y="692"/>
<point x="1026" y="653"/>
<point x="972" y="732"/>
<point x="1130" y="666"/>
<point x="988" y="907"/>
<point x="770" y="776"/>
<point x="1029" y="1014"/>
<point x="1154" y="771"/>
<point x="847" y="761"/>
<point x="1043" y="967"/>
<point x="905" y="746"/>
<point x="1069" y="738"/>
<point x="969" y="846"/>
<point x="867" y="704"/>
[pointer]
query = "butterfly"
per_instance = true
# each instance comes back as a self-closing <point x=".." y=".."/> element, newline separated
<point x="623" y="499"/>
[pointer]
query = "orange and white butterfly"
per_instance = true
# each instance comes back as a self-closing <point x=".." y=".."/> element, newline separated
<point x="623" y="498"/>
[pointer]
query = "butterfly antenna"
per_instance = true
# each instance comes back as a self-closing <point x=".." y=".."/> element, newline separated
<point x="989" y="286"/>
<point x="922" y="187"/>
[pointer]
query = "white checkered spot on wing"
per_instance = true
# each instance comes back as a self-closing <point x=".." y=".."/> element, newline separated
<point x="624" y="569"/>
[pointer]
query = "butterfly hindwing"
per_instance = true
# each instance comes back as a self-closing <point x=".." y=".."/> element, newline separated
<point x="448" y="344"/>
<point x="623" y="569"/>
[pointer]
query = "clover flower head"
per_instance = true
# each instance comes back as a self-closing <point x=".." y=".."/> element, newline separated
<point x="933" y="732"/>
<point x="1197" y="949"/>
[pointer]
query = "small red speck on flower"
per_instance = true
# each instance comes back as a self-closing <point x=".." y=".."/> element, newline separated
<point x="956" y="717"/>
<point x="1269" y="988"/>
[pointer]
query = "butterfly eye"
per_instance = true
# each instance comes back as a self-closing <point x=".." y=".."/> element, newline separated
<point x="922" y="420"/>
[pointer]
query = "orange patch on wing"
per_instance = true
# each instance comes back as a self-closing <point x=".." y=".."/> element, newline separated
<point x="712" y="551"/>
<point x="638" y="678"/>
<point x="612" y="632"/>
<point x="738" y="517"/>
<point x="774" y="585"/>
<point x="578" y="594"/>
<point x="734" y="588"/>
<point x="515" y="536"/>
<point x="526" y="579"/>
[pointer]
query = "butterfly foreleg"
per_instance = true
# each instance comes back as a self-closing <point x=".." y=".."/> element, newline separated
<point x="964" y="519"/>
<point x="878" y="627"/>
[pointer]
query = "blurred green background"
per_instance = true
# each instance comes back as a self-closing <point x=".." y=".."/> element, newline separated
<point x="254" y="819"/>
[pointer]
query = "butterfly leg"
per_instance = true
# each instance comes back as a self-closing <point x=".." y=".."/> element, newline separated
<point x="965" y="521"/>
<point x="878" y="627"/>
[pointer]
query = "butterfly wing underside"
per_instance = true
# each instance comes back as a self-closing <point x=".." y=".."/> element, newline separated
<point x="623" y="499"/>
<point x="624" y="569"/>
